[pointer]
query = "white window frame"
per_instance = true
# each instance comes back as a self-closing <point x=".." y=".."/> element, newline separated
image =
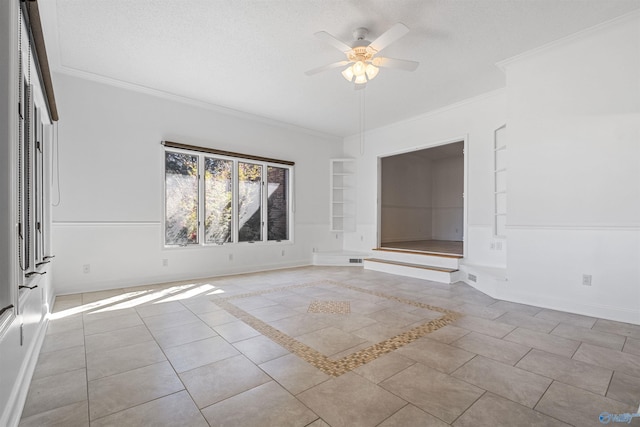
<point x="234" y="214"/>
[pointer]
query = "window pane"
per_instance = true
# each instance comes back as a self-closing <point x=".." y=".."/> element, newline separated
<point x="249" y="202"/>
<point x="181" y="183"/>
<point x="277" y="203"/>
<point x="217" y="184"/>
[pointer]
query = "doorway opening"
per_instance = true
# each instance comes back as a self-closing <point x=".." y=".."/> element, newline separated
<point x="422" y="200"/>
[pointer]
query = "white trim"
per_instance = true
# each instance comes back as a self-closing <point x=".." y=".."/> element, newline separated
<point x="18" y="395"/>
<point x="104" y="223"/>
<point x="505" y="63"/>
<point x="578" y="227"/>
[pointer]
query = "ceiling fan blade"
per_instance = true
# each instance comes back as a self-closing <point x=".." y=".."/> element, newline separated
<point x="391" y="35"/>
<point x="342" y="47"/>
<point x="400" y="64"/>
<point x="326" y="67"/>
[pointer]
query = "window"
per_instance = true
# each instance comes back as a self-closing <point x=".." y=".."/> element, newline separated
<point x="240" y="198"/>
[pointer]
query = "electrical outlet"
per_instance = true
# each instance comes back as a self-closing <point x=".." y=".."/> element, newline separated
<point x="86" y="269"/>
<point x="165" y="262"/>
<point x="283" y="252"/>
<point x="492" y="246"/>
<point x="230" y="257"/>
<point x="586" y="279"/>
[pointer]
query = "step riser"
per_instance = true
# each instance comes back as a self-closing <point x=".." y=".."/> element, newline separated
<point x="407" y="271"/>
<point x="420" y="259"/>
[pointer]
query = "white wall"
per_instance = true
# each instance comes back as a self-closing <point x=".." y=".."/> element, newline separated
<point x="448" y="202"/>
<point x="473" y="120"/>
<point x="574" y="173"/>
<point x="406" y="198"/>
<point x="111" y="181"/>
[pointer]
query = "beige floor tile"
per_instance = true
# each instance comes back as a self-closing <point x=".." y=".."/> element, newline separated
<point x="118" y="338"/>
<point x="108" y="295"/>
<point x="491" y="410"/>
<point x="260" y="349"/>
<point x="625" y="388"/>
<point x="293" y="373"/>
<point x="199" y="353"/>
<point x="217" y="381"/>
<point x="97" y="326"/>
<point x="122" y="391"/>
<point x="63" y="340"/>
<point x="398" y="319"/>
<point x="59" y="362"/>
<point x="169" y="320"/>
<point x="318" y="423"/>
<point x="330" y="340"/>
<point x="236" y="331"/>
<point x="65" y="324"/>
<point x="529" y="322"/>
<point x="216" y="318"/>
<point x="274" y="312"/>
<point x="432" y="391"/>
<point x="632" y="346"/>
<point x="351" y="400"/>
<point x="412" y="416"/>
<point x="299" y="325"/>
<point x="74" y="415"/>
<point x="447" y="334"/>
<point x="590" y="336"/>
<point x="174" y="410"/>
<point x="384" y="367"/>
<point x="348" y="323"/>
<point x="567" y="318"/>
<point x="201" y="306"/>
<point x="493" y="348"/>
<point x="514" y="307"/>
<point x="578" y="374"/>
<point x="156" y="308"/>
<point x="578" y="407"/>
<point x="610" y="359"/>
<point x="480" y="311"/>
<point x="109" y="362"/>
<point x="55" y="391"/>
<point x="265" y="405"/>
<point x="619" y="328"/>
<point x="546" y="342"/>
<point x="484" y="326"/>
<point x="103" y="313"/>
<point x="434" y="354"/>
<point x="253" y="303"/>
<point x="378" y="332"/>
<point x="183" y="334"/>
<point x="512" y="383"/>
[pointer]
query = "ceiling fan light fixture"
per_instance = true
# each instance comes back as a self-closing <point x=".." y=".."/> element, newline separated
<point x="371" y="71"/>
<point x="348" y="74"/>
<point x="359" y="68"/>
<point x="360" y="80"/>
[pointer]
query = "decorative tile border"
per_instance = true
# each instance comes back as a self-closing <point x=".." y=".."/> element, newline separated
<point x="330" y="307"/>
<point x="348" y="363"/>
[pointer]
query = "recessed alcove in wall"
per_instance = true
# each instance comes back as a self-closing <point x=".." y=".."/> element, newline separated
<point x="421" y="199"/>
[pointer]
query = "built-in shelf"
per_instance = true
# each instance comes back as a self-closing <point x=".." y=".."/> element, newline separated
<point x="500" y="182"/>
<point x="342" y="195"/>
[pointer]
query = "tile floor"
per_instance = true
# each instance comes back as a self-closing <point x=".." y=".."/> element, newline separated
<point x="245" y="351"/>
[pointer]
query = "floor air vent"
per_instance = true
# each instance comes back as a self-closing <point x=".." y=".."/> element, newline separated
<point x="355" y="260"/>
<point x="472" y="277"/>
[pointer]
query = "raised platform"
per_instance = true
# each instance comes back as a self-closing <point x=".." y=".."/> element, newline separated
<point x="442" y="268"/>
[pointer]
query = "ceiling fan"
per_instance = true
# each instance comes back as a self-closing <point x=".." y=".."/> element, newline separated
<point x="361" y="55"/>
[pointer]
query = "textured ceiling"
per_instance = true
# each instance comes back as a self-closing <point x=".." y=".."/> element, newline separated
<point x="251" y="56"/>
